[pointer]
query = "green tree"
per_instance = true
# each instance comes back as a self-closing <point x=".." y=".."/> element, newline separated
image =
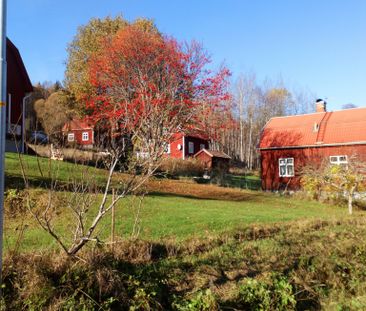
<point x="87" y="42"/>
<point x="52" y="113"/>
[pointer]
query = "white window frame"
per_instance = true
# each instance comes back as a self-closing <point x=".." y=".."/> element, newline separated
<point x="167" y="148"/>
<point x="287" y="163"/>
<point x="71" y="137"/>
<point x="190" y="147"/>
<point x="85" y="136"/>
<point x="339" y="159"/>
<point x="202" y="146"/>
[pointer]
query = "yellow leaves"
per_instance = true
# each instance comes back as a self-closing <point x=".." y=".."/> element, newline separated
<point x="87" y="42"/>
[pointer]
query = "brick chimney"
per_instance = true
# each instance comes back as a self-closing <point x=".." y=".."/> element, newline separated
<point x="321" y="105"/>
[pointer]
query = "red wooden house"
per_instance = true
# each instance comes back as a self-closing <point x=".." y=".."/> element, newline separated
<point x="78" y="132"/>
<point x="19" y="87"/>
<point x="184" y="145"/>
<point x="289" y="143"/>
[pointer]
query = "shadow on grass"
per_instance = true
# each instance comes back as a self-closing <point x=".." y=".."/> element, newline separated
<point x="244" y="182"/>
<point x="17" y="182"/>
<point x="235" y="197"/>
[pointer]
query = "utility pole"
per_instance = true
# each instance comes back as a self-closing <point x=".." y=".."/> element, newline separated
<point x="2" y="123"/>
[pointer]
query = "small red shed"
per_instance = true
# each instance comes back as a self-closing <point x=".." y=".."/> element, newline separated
<point x="78" y="132"/>
<point x="289" y="143"/>
<point x="213" y="159"/>
<point x="184" y="145"/>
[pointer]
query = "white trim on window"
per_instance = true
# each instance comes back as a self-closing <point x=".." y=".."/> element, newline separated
<point x="338" y="159"/>
<point x="71" y="137"/>
<point x="286" y="167"/>
<point x="190" y="147"/>
<point x="85" y="136"/>
<point x="167" y="148"/>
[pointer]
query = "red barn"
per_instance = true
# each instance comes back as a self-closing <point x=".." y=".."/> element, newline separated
<point x="78" y="132"/>
<point x="289" y="143"/>
<point x="185" y="145"/>
<point x="18" y="88"/>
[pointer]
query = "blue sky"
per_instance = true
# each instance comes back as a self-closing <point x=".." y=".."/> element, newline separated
<point x="319" y="45"/>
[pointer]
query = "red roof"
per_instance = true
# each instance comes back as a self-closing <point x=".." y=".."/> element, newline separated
<point x="76" y="124"/>
<point x="316" y="129"/>
<point x="213" y="154"/>
<point x="190" y="134"/>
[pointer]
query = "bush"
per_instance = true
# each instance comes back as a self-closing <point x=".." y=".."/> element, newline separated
<point x="259" y="295"/>
<point x="178" y="167"/>
<point x="201" y="301"/>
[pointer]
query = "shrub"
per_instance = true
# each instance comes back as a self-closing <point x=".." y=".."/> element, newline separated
<point x="201" y="301"/>
<point x="259" y="295"/>
<point x="179" y="167"/>
<point x="14" y="202"/>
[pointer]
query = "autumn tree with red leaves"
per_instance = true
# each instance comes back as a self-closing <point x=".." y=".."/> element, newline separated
<point x="149" y="87"/>
<point x="144" y="88"/>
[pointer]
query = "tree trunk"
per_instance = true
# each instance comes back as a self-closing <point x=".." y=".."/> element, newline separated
<point x="350" y="198"/>
<point x="350" y="201"/>
<point x="249" y="160"/>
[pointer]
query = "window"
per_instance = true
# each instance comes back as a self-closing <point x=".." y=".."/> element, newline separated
<point x="286" y="167"/>
<point x="167" y="148"/>
<point x="338" y="160"/>
<point x="70" y="137"/>
<point x="190" y="147"/>
<point x="202" y="146"/>
<point x="85" y="136"/>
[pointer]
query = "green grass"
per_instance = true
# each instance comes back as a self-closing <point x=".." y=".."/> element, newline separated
<point x="41" y="171"/>
<point x="174" y="210"/>
<point x="200" y="246"/>
<point x="304" y="265"/>
<point x="251" y="182"/>
<point x="174" y="217"/>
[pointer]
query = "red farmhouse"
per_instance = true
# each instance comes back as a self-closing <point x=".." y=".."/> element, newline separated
<point x="18" y="88"/>
<point x="289" y="143"/>
<point x="77" y="132"/>
<point x="184" y="145"/>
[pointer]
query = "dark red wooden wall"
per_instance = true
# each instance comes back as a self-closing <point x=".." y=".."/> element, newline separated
<point x="302" y="157"/>
<point x="177" y="140"/>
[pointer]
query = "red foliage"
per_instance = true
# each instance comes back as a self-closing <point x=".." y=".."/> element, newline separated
<point x="145" y="83"/>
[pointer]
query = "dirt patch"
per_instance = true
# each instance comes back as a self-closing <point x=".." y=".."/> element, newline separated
<point x="199" y="191"/>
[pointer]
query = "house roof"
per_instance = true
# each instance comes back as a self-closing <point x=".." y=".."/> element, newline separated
<point x="76" y="124"/>
<point x="343" y="127"/>
<point x="213" y="154"/>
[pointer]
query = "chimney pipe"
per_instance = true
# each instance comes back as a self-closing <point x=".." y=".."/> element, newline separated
<point x="321" y="105"/>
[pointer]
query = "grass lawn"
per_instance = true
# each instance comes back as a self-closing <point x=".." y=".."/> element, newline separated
<point x="174" y="209"/>
<point x="37" y="171"/>
<point x="201" y="247"/>
<point x="174" y="216"/>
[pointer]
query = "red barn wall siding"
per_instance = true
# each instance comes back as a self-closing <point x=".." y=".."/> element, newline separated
<point x="302" y="157"/>
<point x="205" y="159"/>
<point x="177" y="140"/>
<point x="196" y="145"/>
<point x="18" y="84"/>
<point x="175" y="152"/>
<point x="79" y="137"/>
